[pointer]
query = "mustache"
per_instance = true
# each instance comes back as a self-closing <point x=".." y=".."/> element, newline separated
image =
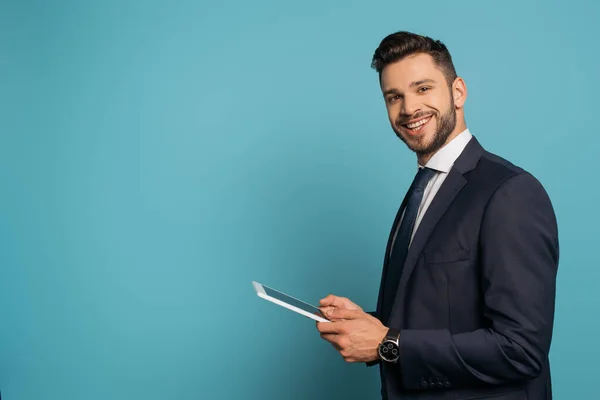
<point x="404" y="118"/>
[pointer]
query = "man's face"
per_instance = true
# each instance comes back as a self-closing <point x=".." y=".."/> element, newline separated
<point x="419" y="103"/>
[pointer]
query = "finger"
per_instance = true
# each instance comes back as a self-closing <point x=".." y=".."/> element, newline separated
<point x="342" y="313"/>
<point x="329" y="300"/>
<point x="328" y="327"/>
<point x="340" y="302"/>
<point x="333" y="340"/>
<point x="326" y="310"/>
<point x="330" y="337"/>
<point x="336" y="346"/>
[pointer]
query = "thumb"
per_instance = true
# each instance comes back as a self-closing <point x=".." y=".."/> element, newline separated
<point x="344" y="313"/>
<point x="328" y="301"/>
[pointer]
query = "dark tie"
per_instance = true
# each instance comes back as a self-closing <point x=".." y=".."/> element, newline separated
<point x="401" y="244"/>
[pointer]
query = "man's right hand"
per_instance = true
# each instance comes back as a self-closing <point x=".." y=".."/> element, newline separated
<point x="331" y="302"/>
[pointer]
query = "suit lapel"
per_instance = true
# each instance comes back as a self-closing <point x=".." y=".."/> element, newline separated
<point x="452" y="185"/>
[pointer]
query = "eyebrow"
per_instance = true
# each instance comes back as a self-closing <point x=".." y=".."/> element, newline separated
<point x="413" y="84"/>
<point x="422" y="81"/>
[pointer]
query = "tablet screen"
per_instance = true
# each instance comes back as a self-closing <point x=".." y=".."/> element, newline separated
<point x="292" y="301"/>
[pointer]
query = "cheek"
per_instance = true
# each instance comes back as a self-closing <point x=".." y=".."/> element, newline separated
<point x="392" y="113"/>
<point x="437" y="103"/>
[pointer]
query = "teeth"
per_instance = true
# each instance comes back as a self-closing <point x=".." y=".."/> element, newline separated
<point x="418" y="123"/>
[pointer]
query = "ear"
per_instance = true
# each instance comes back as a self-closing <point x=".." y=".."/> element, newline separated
<point x="459" y="91"/>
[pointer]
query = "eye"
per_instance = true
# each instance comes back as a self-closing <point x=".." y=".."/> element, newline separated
<point x="423" y="89"/>
<point x="394" y="98"/>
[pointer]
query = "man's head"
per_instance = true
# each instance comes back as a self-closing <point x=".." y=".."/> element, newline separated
<point x="423" y="95"/>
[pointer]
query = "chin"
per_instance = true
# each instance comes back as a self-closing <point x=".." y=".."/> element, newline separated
<point x="417" y="143"/>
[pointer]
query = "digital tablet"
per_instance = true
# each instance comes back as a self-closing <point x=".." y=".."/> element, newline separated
<point x="288" y="302"/>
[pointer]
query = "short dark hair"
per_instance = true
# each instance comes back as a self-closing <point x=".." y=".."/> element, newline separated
<point x="399" y="45"/>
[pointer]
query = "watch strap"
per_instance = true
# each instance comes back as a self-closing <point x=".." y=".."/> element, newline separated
<point x="393" y="335"/>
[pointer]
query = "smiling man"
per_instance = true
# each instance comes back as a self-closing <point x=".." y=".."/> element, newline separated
<point x="466" y="302"/>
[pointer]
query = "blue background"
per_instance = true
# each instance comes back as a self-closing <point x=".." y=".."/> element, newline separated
<point x="158" y="156"/>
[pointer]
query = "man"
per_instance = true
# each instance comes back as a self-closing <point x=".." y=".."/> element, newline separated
<point x="466" y="302"/>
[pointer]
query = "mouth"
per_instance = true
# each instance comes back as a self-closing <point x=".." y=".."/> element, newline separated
<point x="417" y="126"/>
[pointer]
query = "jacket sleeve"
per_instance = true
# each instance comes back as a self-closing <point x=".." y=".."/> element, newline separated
<point x="518" y="260"/>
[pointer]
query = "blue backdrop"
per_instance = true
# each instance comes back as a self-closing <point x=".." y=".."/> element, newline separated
<point x="158" y="156"/>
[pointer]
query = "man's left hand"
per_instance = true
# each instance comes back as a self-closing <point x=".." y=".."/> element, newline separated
<point x="354" y="333"/>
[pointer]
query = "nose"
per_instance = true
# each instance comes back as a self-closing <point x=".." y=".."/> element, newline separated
<point x="410" y="105"/>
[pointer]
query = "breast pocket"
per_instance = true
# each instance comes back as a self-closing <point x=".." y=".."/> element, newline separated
<point x="447" y="255"/>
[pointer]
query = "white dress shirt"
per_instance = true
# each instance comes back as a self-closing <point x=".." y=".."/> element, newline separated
<point x="441" y="162"/>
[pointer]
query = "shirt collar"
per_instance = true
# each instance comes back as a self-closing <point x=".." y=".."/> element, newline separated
<point x="444" y="158"/>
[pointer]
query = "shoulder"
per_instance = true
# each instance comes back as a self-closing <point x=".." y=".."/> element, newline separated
<point x="500" y="185"/>
<point x="497" y="169"/>
<point x="511" y="190"/>
<point x="497" y="173"/>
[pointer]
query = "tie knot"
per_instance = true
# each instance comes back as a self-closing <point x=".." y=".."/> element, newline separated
<point x="422" y="178"/>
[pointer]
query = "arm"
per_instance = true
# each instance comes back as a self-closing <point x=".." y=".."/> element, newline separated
<point x="375" y="362"/>
<point x="519" y="257"/>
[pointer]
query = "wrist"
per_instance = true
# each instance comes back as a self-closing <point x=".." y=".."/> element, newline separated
<point x="389" y="347"/>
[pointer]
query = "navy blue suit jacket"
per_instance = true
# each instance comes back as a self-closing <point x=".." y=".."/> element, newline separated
<point x="475" y="303"/>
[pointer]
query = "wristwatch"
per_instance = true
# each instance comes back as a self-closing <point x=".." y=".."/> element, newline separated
<point x="389" y="348"/>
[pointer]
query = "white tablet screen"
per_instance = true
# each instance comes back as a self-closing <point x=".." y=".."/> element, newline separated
<point x="292" y="301"/>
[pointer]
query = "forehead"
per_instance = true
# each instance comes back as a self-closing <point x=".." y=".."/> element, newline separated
<point x="401" y="74"/>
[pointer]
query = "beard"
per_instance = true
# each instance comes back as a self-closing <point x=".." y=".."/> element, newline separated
<point x="446" y="124"/>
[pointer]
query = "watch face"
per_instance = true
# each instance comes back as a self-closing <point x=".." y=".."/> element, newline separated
<point x="389" y="351"/>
